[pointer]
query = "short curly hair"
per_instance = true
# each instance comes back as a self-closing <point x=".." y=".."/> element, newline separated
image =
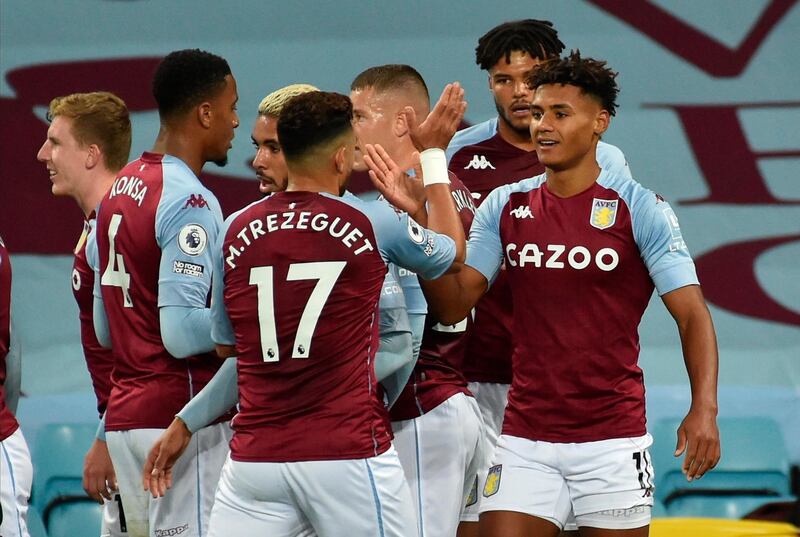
<point x="311" y="120"/>
<point x="592" y="76"/>
<point x="185" y="78"/>
<point x="538" y="38"/>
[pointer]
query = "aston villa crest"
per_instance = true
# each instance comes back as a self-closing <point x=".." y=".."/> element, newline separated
<point x="604" y="213"/>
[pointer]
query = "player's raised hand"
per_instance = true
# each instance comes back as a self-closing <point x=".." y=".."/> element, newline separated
<point x="406" y="193"/>
<point x="99" y="479"/>
<point x="157" y="473"/>
<point x="698" y="437"/>
<point x="442" y="123"/>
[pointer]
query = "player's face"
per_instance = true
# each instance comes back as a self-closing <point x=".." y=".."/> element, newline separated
<point x="565" y="125"/>
<point x="374" y="115"/>
<point x="269" y="163"/>
<point x="64" y="157"/>
<point x="512" y="97"/>
<point x="225" y="120"/>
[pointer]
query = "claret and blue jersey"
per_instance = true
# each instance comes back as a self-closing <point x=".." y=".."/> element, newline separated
<point x="302" y="274"/>
<point x="582" y="270"/>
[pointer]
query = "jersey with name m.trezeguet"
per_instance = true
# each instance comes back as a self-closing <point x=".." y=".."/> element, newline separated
<point x="581" y="272"/>
<point x="483" y="160"/>
<point x="154" y="232"/>
<point x="303" y="273"/>
<point x="99" y="360"/>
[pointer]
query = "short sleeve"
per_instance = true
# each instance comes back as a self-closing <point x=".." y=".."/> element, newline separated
<point x="484" y="248"/>
<point x="658" y="235"/>
<point x="403" y="241"/>
<point x="612" y="159"/>
<point x="186" y="233"/>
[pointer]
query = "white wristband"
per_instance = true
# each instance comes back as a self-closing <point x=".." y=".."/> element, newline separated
<point x="434" y="167"/>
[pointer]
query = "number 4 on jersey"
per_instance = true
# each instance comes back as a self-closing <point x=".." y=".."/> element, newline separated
<point x="115" y="274"/>
<point x="326" y="273"/>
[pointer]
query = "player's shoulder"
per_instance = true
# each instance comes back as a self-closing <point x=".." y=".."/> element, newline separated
<point x="500" y="195"/>
<point x="611" y="157"/>
<point x="378" y="211"/>
<point x="635" y="195"/>
<point x="471" y="136"/>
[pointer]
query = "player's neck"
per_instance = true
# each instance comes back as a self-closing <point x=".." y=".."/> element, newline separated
<point x="571" y="181"/>
<point x="520" y="140"/>
<point x="304" y="182"/>
<point x="179" y="144"/>
<point x="98" y="188"/>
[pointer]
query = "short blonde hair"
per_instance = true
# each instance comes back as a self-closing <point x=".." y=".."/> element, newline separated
<point x="99" y="118"/>
<point x="273" y="104"/>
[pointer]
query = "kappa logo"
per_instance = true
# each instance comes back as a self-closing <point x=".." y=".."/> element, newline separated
<point x="171" y="532"/>
<point x="196" y="201"/>
<point x="479" y="162"/>
<point x="523" y="211"/>
<point x="493" y="481"/>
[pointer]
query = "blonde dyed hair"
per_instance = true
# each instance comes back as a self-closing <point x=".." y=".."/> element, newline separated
<point x="272" y="104"/>
<point x="99" y="118"/>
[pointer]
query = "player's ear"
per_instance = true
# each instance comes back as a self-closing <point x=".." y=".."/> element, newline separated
<point x="400" y="125"/>
<point x="340" y="159"/>
<point x="93" y="156"/>
<point x="489" y="80"/>
<point x="204" y="114"/>
<point x="601" y="122"/>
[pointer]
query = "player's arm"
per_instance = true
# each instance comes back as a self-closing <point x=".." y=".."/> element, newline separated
<point x="660" y="241"/>
<point x="13" y="382"/>
<point x="215" y="399"/>
<point x="185" y="330"/>
<point x="441" y="216"/>
<point x="451" y="297"/>
<point x="698" y="435"/>
<point x="185" y="236"/>
<point x="99" y="317"/>
<point x="99" y="477"/>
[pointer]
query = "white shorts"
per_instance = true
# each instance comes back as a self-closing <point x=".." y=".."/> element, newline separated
<point x="16" y="476"/>
<point x="492" y="399"/>
<point x="336" y="498"/>
<point x="186" y="507"/>
<point x="114" y="523"/>
<point x="608" y="484"/>
<point x="441" y="453"/>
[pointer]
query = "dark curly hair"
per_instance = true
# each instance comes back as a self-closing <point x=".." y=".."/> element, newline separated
<point x="538" y="38"/>
<point x="185" y="78"/>
<point x="312" y="119"/>
<point x="592" y="76"/>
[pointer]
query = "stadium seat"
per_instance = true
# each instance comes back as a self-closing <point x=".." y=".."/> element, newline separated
<point x="735" y="506"/>
<point x="754" y="469"/>
<point x="76" y="517"/>
<point x="35" y="524"/>
<point x="57" y="455"/>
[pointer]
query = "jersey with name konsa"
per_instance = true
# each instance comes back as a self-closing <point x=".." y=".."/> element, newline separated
<point x="8" y="424"/>
<point x="437" y="374"/>
<point x="154" y="231"/>
<point x="484" y="161"/>
<point x="302" y="276"/>
<point x="99" y="360"/>
<point x="581" y="272"/>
